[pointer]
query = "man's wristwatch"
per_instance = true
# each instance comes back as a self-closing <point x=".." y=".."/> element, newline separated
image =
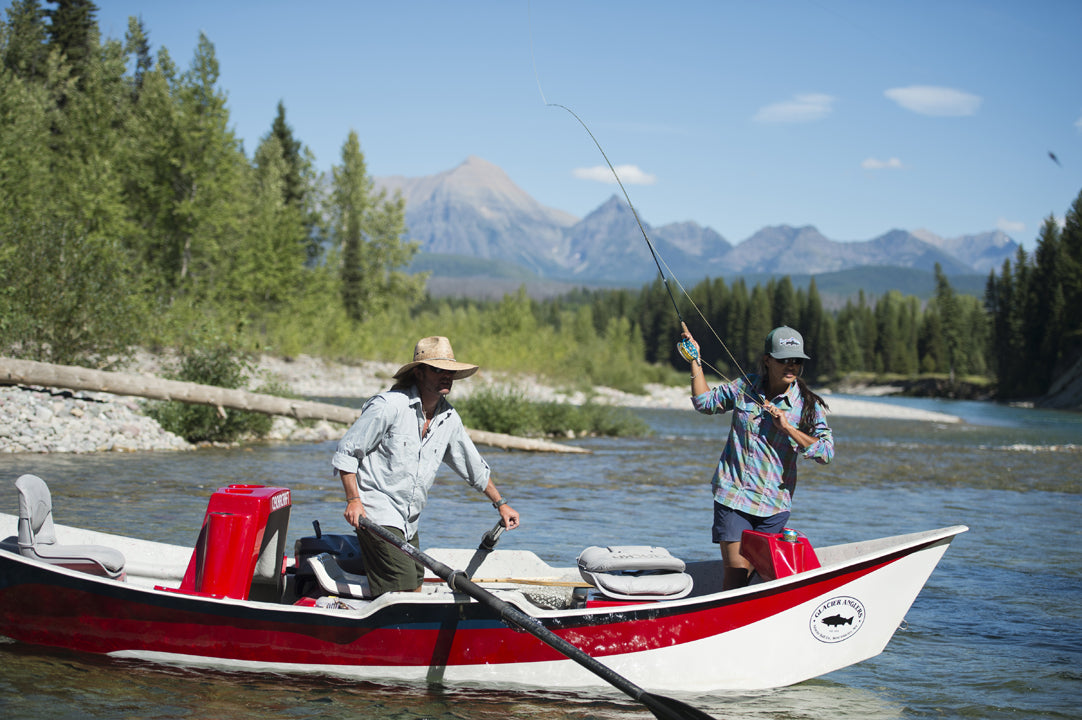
<point x="499" y="503"/>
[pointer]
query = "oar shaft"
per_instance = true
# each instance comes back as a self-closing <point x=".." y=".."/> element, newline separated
<point x="458" y="581"/>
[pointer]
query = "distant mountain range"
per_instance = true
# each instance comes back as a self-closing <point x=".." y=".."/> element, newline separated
<point x="473" y="221"/>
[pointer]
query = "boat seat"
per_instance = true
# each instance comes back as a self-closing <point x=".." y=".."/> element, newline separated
<point x="635" y="572"/>
<point x="336" y="581"/>
<point x="37" y="536"/>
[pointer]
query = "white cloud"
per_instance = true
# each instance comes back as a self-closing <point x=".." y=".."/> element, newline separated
<point x="877" y="164"/>
<point x="1078" y="123"/>
<point x="802" y="108"/>
<point x="939" y="101"/>
<point x="629" y="175"/>
<point x="1011" y="227"/>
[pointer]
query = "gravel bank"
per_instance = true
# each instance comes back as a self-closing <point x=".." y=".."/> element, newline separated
<point x="317" y="378"/>
<point x="40" y="420"/>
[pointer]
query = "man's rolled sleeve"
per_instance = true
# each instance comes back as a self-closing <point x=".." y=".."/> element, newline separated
<point x="344" y="462"/>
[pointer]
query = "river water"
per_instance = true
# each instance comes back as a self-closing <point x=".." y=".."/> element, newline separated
<point x="996" y="632"/>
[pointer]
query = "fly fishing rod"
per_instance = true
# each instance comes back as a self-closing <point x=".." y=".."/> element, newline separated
<point x="687" y="350"/>
<point x="685" y="347"/>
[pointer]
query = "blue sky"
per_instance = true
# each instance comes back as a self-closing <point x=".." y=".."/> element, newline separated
<point x="855" y="117"/>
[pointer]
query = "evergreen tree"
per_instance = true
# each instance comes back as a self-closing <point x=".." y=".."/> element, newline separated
<point x="784" y="307"/>
<point x="25" y="40"/>
<point x="26" y="113"/>
<point x="908" y="353"/>
<point x="709" y="297"/>
<point x="88" y="138"/>
<point x="996" y="301"/>
<point x="866" y="321"/>
<point x="73" y="32"/>
<point x="298" y="182"/>
<point x="734" y="331"/>
<point x="760" y="323"/>
<point x="1022" y="381"/>
<point x="188" y="177"/>
<point x="369" y="230"/>
<point x="657" y="323"/>
<point x="827" y="353"/>
<point x="931" y="341"/>
<point x="850" y="347"/>
<point x="811" y="313"/>
<point x="1048" y="283"/>
<point x="1071" y="239"/>
<point x="888" y="332"/>
<point x="949" y="319"/>
<point x="137" y="45"/>
<point x="294" y="187"/>
<point x="154" y="177"/>
<point x="975" y="327"/>
<point x="268" y="269"/>
<point x="70" y="294"/>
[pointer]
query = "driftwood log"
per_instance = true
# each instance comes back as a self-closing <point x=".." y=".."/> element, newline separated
<point x="29" y="372"/>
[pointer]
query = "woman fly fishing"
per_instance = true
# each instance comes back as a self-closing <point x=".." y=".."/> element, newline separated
<point x="776" y="420"/>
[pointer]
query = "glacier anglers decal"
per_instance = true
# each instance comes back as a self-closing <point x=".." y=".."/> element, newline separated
<point x="837" y="619"/>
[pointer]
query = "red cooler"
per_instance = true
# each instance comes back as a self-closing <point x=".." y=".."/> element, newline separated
<point x="775" y="557"/>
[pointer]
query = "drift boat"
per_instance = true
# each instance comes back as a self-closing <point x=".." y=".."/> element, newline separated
<point x="237" y="600"/>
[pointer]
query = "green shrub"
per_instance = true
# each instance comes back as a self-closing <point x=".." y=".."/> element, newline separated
<point x="509" y="412"/>
<point x="220" y="366"/>
<point x="501" y="411"/>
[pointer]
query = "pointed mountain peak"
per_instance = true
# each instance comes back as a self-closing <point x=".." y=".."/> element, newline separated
<point x="474" y="166"/>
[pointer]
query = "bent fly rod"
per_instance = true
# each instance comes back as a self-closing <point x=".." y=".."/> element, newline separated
<point x="687" y="350"/>
<point x="685" y="347"/>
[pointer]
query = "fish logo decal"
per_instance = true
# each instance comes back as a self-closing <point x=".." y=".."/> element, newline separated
<point x="836" y="619"/>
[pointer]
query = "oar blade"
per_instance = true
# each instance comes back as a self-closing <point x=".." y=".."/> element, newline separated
<point x="667" y="708"/>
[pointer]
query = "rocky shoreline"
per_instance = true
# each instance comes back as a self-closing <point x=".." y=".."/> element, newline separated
<point x="44" y="420"/>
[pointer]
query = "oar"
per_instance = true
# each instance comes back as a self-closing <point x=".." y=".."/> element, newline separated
<point x="663" y="708"/>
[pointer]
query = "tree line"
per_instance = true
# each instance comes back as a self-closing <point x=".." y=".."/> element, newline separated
<point x="131" y="215"/>
<point x="1032" y="303"/>
<point x="130" y="212"/>
<point x="889" y="335"/>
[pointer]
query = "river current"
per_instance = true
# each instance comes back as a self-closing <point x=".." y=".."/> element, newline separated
<point x="996" y="632"/>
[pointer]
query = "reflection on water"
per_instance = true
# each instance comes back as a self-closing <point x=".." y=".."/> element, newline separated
<point x="80" y="686"/>
<point x="996" y="633"/>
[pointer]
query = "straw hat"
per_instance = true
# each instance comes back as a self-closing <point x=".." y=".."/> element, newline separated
<point x="437" y="352"/>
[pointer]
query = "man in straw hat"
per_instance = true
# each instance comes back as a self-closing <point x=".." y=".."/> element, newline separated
<point x="388" y="460"/>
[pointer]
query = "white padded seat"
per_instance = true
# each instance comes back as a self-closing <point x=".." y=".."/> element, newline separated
<point x="336" y="581"/>
<point x="37" y="536"/>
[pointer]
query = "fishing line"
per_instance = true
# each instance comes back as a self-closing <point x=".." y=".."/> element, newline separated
<point x="685" y="348"/>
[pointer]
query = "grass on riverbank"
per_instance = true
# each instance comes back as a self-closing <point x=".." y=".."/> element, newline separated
<point x="508" y="412"/>
<point x="941" y="385"/>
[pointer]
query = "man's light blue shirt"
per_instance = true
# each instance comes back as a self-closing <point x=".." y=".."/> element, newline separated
<point x="395" y="467"/>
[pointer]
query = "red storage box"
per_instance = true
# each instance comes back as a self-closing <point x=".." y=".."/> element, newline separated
<point x="240" y="549"/>
<point x="774" y="557"/>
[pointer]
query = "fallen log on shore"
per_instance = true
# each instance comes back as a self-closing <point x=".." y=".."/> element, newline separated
<point x="30" y="372"/>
